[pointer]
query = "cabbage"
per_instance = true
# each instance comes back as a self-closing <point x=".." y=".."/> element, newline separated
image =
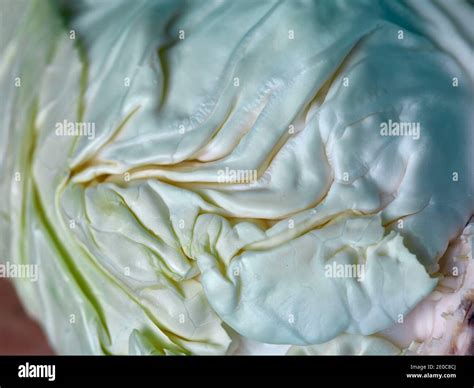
<point x="349" y="344"/>
<point x="188" y="176"/>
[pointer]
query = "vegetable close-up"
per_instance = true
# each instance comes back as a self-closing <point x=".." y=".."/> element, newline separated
<point x="240" y="177"/>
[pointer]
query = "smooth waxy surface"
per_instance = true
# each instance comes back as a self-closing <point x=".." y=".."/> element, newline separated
<point x="151" y="251"/>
